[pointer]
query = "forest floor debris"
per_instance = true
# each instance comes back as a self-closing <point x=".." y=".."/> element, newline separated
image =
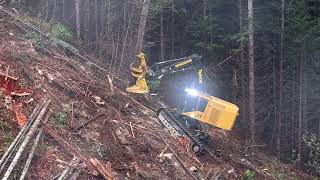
<point x="94" y="122"/>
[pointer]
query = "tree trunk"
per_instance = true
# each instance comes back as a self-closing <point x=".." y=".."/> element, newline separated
<point x="77" y="6"/>
<point x="293" y="109"/>
<point x="47" y="10"/>
<point x="142" y="26"/>
<point x="279" y="122"/>
<point x="205" y="4"/>
<point x="63" y="3"/>
<point x="161" y="37"/>
<point x="54" y="9"/>
<point x="86" y="19"/>
<point x="300" y="104"/>
<point x="108" y="18"/>
<point x="275" y="101"/>
<point x="242" y="72"/>
<point x="96" y="15"/>
<point x="251" y="72"/>
<point x="172" y="29"/>
<point x="240" y="24"/>
<point x="125" y="40"/>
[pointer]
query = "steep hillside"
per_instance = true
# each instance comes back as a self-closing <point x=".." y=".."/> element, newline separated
<point x="92" y="113"/>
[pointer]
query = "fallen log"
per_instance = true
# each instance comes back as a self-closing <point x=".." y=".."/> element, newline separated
<point x="105" y="169"/>
<point x="98" y="116"/>
<point x="33" y="149"/>
<point x="96" y="170"/>
<point x="13" y="145"/>
<point x="7" y="76"/>
<point x="179" y="160"/>
<point x="26" y="140"/>
<point x="247" y="164"/>
<point x="69" y="168"/>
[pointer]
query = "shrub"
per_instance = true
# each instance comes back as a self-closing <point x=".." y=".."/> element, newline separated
<point x="248" y="175"/>
<point x="313" y="144"/>
<point x="62" y="32"/>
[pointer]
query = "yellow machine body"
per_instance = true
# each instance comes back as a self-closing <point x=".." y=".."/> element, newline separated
<point x="218" y="113"/>
<point x="140" y="73"/>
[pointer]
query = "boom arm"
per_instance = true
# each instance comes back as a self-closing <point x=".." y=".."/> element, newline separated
<point x="161" y="69"/>
<point x="158" y="70"/>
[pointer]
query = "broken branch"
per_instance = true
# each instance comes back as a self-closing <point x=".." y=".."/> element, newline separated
<point x="94" y="169"/>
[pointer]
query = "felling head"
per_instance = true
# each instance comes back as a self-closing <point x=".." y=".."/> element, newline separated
<point x="141" y="55"/>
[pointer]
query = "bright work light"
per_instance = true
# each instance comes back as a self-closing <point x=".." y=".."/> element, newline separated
<point x="192" y="92"/>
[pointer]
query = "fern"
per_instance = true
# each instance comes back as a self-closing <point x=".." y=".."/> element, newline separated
<point x="62" y="32"/>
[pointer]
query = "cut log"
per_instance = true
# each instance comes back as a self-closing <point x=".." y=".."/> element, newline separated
<point x="96" y="170"/>
<point x="111" y="84"/>
<point x="33" y="149"/>
<point x="26" y="140"/>
<point x="7" y="76"/>
<point x="69" y="168"/>
<point x="179" y="160"/>
<point x="18" y="138"/>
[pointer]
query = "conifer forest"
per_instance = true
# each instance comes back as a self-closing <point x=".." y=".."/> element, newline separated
<point x="160" y="89"/>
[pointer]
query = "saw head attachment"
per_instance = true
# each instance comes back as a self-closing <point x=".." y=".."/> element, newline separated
<point x="140" y="73"/>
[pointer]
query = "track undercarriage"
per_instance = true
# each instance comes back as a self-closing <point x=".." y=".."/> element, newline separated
<point x="182" y="126"/>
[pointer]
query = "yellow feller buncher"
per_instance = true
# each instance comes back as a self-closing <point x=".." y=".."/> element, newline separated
<point x="205" y="109"/>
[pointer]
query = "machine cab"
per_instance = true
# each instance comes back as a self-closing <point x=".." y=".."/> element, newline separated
<point x="216" y="112"/>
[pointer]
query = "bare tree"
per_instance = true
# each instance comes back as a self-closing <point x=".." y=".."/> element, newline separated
<point x="142" y="26"/>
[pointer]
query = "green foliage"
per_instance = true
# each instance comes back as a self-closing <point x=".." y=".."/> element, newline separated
<point x="61" y="117"/>
<point x="276" y="171"/>
<point x="62" y="32"/>
<point x="14" y="3"/>
<point x="154" y="85"/>
<point x="59" y="36"/>
<point x="7" y="137"/>
<point x="37" y="41"/>
<point x="248" y="175"/>
<point x="312" y="142"/>
<point x="295" y="157"/>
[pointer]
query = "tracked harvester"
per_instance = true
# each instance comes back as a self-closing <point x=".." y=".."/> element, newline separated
<point x="198" y="108"/>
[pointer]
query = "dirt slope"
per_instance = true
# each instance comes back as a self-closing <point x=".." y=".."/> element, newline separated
<point x="122" y="132"/>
